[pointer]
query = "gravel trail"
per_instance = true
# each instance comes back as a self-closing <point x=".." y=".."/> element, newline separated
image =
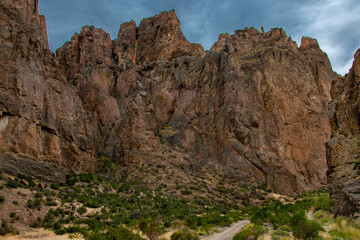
<point x="228" y="233"/>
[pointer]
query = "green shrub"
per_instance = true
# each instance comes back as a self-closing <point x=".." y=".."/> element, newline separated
<point x="114" y="234"/>
<point x="71" y="179"/>
<point x="32" y="204"/>
<point x="50" y="202"/>
<point x="167" y="224"/>
<point x="55" y="186"/>
<point x="86" y="178"/>
<point x="2" y="199"/>
<point x="38" y="195"/>
<point x="12" y="214"/>
<point x="337" y="233"/>
<point x="81" y="210"/>
<point x="26" y="178"/>
<point x="12" y="183"/>
<point x="192" y="222"/>
<point x="5" y="228"/>
<point x="251" y="230"/>
<point x="125" y="187"/>
<point x="304" y="228"/>
<point x="71" y="229"/>
<point x="323" y="202"/>
<point x="357" y="164"/>
<point x="152" y="229"/>
<point x="93" y="204"/>
<point x="36" y="224"/>
<point x="221" y="188"/>
<point x="185" y="235"/>
<point x="186" y="192"/>
<point x="283" y="231"/>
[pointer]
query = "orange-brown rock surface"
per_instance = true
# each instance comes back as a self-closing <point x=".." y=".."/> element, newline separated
<point x="44" y="128"/>
<point x="254" y="107"/>
<point x="343" y="149"/>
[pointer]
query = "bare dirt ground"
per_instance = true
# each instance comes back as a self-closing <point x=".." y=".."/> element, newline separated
<point x="228" y="233"/>
<point x="16" y="203"/>
<point x="26" y="232"/>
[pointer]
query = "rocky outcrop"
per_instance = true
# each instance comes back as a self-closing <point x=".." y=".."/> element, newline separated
<point x="343" y="151"/>
<point x="160" y="38"/>
<point x="44" y="127"/>
<point x="253" y="108"/>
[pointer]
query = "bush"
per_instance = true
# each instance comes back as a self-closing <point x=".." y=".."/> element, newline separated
<point x="186" y="192"/>
<point x="7" y="229"/>
<point x="323" y="202"/>
<point x="114" y="234"/>
<point x="50" y="202"/>
<point x="125" y="187"/>
<point x="34" y="204"/>
<point x="55" y="186"/>
<point x="39" y="195"/>
<point x="308" y="230"/>
<point x="71" y="229"/>
<point x="185" y="235"/>
<point x="152" y="229"/>
<point x="221" y="188"/>
<point x="2" y="199"/>
<point x="304" y="228"/>
<point x="86" y="178"/>
<point x="36" y="224"/>
<point x="12" y="184"/>
<point x="81" y="210"/>
<point x="282" y="231"/>
<point x="251" y="230"/>
<point x="71" y="179"/>
<point x="357" y="165"/>
<point x="30" y="180"/>
<point x="337" y="233"/>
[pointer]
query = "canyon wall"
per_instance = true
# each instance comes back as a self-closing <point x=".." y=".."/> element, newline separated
<point x="343" y="149"/>
<point x="253" y="107"/>
<point x="44" y="127"/>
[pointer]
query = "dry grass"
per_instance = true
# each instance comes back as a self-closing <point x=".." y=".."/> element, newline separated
<point x="340" y="227"/>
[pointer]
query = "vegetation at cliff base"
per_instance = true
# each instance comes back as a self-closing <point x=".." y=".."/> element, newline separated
<point x="98" y="208"/>
<point x="289" y="216"/>
<point x="92" y="205"/>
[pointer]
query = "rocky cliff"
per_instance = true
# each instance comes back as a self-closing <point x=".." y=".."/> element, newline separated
<point x="343" y="150"/>
<point x="253" y="108"/>
<point x="44" y="129"/>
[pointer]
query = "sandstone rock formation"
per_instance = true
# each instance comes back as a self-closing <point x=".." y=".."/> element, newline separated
<point x="254" y="107"/>
<point x="343" y="149"/>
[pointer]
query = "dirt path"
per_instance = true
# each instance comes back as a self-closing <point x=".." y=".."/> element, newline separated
<point x="228" y="233"/>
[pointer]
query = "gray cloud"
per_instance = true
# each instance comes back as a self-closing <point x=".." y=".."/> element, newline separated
<point x="333" y="22"/>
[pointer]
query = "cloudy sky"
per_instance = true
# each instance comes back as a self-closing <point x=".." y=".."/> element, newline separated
<point x="335" y="23"/>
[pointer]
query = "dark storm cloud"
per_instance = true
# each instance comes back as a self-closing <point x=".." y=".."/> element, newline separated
<point x="333" y="22"/>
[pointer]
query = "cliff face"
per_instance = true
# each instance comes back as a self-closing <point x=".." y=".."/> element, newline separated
<point x="254" y="107"/>
<point x="43" y="124"/>
<point x="343" y="150"/>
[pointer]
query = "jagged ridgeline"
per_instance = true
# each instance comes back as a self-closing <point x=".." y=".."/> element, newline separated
<point x="253" y="108"/>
